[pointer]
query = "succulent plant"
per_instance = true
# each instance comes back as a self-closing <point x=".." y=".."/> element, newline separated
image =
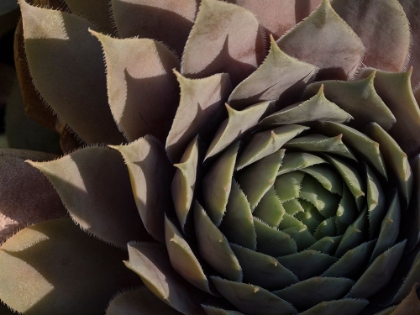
<point x="274" y="170"/>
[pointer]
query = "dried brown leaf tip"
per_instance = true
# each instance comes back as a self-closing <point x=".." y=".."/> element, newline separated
<point x="255" y="165"/>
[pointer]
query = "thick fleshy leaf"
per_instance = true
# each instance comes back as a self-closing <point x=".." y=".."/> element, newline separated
<point x="326" y="176"/>
<point x="375" y="198"/>
<point x="326" y="245"/>
<point x="58" y="53"/>
<point x="217" y="184"/>
<point x="166" y="21"/>
<point x="307" y="264"/>
<point x="225" y="38"/>
<point x="183" y="259"/>
<point x="413" y="215"/>
<point x="238" y="223"/>
<point x="395" y="90"/>
<point x="383" y="28"/>
<point x="267" y="142"/>
<point x="214" y="247"/>
<point x="396" y="160"/>
<point x="359" y="142"/>
<point x="410" y="305"/>
<point x="378" y="274"/>
<point x="55" y="268"/>
<point x="94" y="186"/>
<point x="26" y="195"/>
<point x="137" y="302"/>
<point x="352" y="262"/>
<point x="288" y="186"/>
<point x="317" y="108"/>
<point x="263" y="270"/>
<point x="211" y="310"/>
<point x="200" y="111"/>
<point x="150" y="176"/>
<point x="359" y="99"/>
<point x="294" y="161"/>
<point x="237" y="123"/>
<point x="310" y="292"/>
<point x="270" y="210"/>
<point x="342" y="307"/>
<point x="183" y="183"/>
<point x="151" y="262"/>
<point x="251" y="299"/>
<point x="354" y="235"/>
<point x="324" y="40"/>
<point x="412" y="11"/>
<point x="259" y="177"/>
<point x="273" y="242"/>
<point x="142" y="91"/>
<point x="278" y="74"/>
<point x="96" y="11"/>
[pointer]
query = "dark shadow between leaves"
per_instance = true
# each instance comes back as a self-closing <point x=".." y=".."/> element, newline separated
<point x="151" y="22"/>
<point x="149" y="109"/>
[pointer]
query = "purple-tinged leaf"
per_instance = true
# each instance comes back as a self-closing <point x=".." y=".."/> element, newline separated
<point x="324" y="40"/>
<point x="26" y="195"/>
<point x="168" y="21"/>
<point x="142" y="91"/>
<point x="55" y="268"/>
<point x="225" y="38"/>
<point x="66" y="64"/>
<point x="94" y="186"/>
<point x="383" y="28"/>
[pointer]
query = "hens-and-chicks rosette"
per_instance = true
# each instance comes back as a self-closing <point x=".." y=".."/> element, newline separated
<point x="274" y="169"/>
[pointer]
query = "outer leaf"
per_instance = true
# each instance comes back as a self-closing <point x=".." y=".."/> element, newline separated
<point x="342" y="307"/>
<point x="150" y="176"/>
<point x="412" y="11"/>
<point x="410" y="305"/>
<point x="166" y="21"/>
<point x="96" y="11"/>
<point x="142" y="91"/>
<point x="324" y="40"/>
<point x="55" y="268"/>
<point x="94" y="186"/>
<point x="278" y="75"/>
<point x="210" y="310"/>
<point x="151" y="263"/>
<point x="200" y="111"/>
<point x="395" y="90"/>
<point x="26" y="195"/>
<point x="138" y="302"/>
<point x="225" y="38"/>
<point x="58" y="53"/>
<point x="383" y="28"/>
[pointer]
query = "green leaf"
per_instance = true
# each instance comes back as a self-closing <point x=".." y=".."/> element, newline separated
<point x="138" y="70"/>
<point x="278" y="74"/>
<point x="210" y="310"/>
<point x="270" y="209"/>
<point x="287" y="186"/>
<point x="310" y="292"/>
<point x="217" y="184"/>
<point x="396" y="160"/>
<point x="258" y="178"/>
<point x="94" y="186"/>
<point x="317" y="108"/>
<point x="238" y="223"/>
<point x="325" y="40"/>
<point x="252" y="299"/>
<point x="58" y="53"/>
<point x="378" y="274"/>
<point x="307" y="264"/>
<point x="55" y="268"/>
<point x="358" y="98"/>
<point x="224" y="38"/>
<point x="294" y="161"/>
<point x="267" y="142"/>
<point x="375" y="198"/>
<point x="214" y="247"/>
<point x="263" y="270"/>
<point x="342" y="307"/>
<point x="327" y="177"/>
